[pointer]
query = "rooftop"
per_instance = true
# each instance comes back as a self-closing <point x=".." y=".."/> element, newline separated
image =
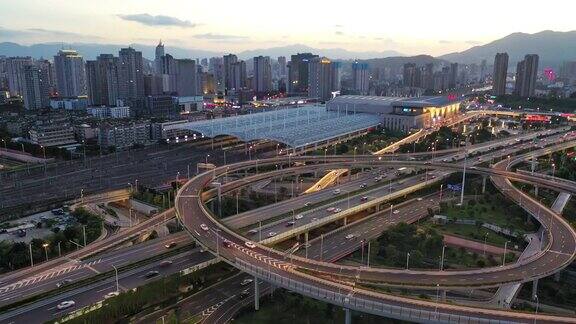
<point x="295" y="127"/>
<point x="424" y="101"/>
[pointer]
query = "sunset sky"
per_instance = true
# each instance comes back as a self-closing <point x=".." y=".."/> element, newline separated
<point x="408" y="26"/>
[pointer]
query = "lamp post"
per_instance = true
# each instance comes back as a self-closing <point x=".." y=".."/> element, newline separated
<point x="442" y="260"/>
<point x="207" y="156"/>
<point x="407" y="260"/>
<point x="537" y="304"/>
<point x="116" y="273"/>
<point x="45" y="246"/>
<point x="484" y="246"/>
<point x="504" y="257"/>
<point x="31" y="258"/>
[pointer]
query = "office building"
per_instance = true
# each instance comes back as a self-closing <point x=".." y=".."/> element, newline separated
<point x="298" y="72"/>
<point x="102" y="80"/>
<point x="262" y="74"/>
<point x="282" y="66"/>
<point x="238" y="76"/>
<point x="70" y="74"/>
<point x="526" y="74"/>
<point x="159" y="52"/>
<point x="323" y="78"/>
<point x="186" y="77"/>
<point x="409" y="75"/>
<point x="75" y="103"/>
<point x="453" y="79"/>
<point x="162" y="106"/>
<point x="36" y="88"/>
<point x="360" y="78"/>
<point x="500" y="74"/>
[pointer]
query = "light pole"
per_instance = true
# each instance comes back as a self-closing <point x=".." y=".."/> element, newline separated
<point x="437" y="298"/>
<point x="441" y="186"/>
<point x="31" y="258"/>
<point x="43" y="151"/>
<point x="442" y="260"/>
<point x="45" y="246"/>
<point x="355" y="147"/>
<point x="116" y="273"/>
<point x="504" y="257"/>
<point x="368" y="262"/>
<point x="463" y="179"/>
<point x="207" y="156"/>
<point x="484" y="246"/>
<point x="321" y="246"/>
<point x="84" y="233"/>
<point x="131" y="187"/>
<point x="325" y="152"/>
<point x="391" y="206"/>
<point x="407" y="260"/>
<point x="537" y="304"/>
<point x="553" y="170"/>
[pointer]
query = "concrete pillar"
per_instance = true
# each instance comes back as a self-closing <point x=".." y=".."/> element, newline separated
<point x="484" y="185"/>
<point x="557" y="276"/>
<point x="347" y="316"/>
<point x="534" y="289"/>
<point x="443" y="295"/>
<point x="345" y="221"/>
<point x="536" y="191"/>
<point x="256" y="294"/>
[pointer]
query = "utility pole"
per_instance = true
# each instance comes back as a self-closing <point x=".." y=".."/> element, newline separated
<point x="463" y="179"/>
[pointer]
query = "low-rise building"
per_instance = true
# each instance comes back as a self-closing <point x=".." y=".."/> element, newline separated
<point x="125" y="135"/>
<point x="76" y="103"/>
<point x="52" y="135"/>
<point x="109" y="112"/>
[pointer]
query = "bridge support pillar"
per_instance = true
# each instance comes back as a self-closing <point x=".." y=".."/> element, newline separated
<point x="443" y="295"/>
<point x="557" y="276"/>
<point x="484" y="185"/>
<point x="306" y="244"/>
<point x="345" y="220"/>
<point x="536" y="191"/>
<point x="347" y="316"/>
<point x="256" y="294"/>
<point x="534" y="289"/>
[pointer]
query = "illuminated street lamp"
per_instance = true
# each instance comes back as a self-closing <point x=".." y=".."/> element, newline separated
<point x="45" y="246"/>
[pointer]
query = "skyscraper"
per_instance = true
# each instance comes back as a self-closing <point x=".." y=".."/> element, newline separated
<point x="70" y="74"/>
<point x="453" y="80"/>
<point x="282" y="66"/>
<point x="186" y="77"/>
<point x="526" y="74"/>
<point x="262" y="74"/>
<point x="323" y="78"/>
<point x="298" y="72"/>
<point x="158" y="58"/>
<point x="238" y="76"/>
<point x="130" y="74"/>
<point x="500" y="73"/>
<point x="360" y="77"/>
<point x="228" y="61"/>
<point x="409" y="75"/>
<point x="36" y="87"/>
<point x="102" y="80"/>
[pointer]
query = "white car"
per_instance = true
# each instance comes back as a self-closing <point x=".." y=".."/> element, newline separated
<point x="350" y="236"/>
<point x="336" y="191"/>
<point x="250" y="244"/>
<point x="111" y="294"/>
<point x="204" y="227"/>
<point x="246" y="282"/>
<point x="419" y="198"/>
<point x="66" y="304"/>
<point x="299" y="216"/>
<point x="253" y="231"/>
<point x="396" y="211"/>
<point x="272" y="234"/>
<point x="337" y="210"/>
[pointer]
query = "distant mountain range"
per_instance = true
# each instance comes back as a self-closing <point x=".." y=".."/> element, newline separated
<point x="90" y="51"/>
<point x="552" y="47"/>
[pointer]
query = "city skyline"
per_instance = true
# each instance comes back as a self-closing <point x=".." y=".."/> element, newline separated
<point x="257" y="25"/>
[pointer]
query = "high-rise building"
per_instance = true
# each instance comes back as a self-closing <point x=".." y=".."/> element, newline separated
<point x="238" y="76"/>
<point x="186" y="78"/>
<point x="483" y="70"/>
<point x="500" y="73"/>
<point x="298" y="72"/>
<point x="216" y="67"/>
<point x="14" y="68"/>
<point x="36" y="87"/>
<point x="158" y="58"/>
<point x="70" y="74"/>
<point x="130" y="74"/>
<point x="102" y="80"/>
<point x="428" y="78"/>
<point x="453" y="80"/>
<point x="262" y="74"/>
<point x="526" y="74"/>
<point x="228" y="75"/>
<point x="323" y="78"/>
<point x="360" y="77"/>
<point x="282" y="66"/>
<point x="409" y="75"/>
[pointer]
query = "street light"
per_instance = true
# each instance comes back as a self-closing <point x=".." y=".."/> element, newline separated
<point x="207" y="156"/>
<point x="484" y="246"/>
<point x="116" y="273"/>
<point x="442" y="260"/>
<point x="537" y="304"/>
<point x="504" y="258"/>
<point x="407" y="260"/>
<point x="45" y="246"/>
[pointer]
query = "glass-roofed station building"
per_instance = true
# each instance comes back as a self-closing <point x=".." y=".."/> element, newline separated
<point x="317" y="125"/>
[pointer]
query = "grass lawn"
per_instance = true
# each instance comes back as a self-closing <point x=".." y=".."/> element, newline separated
<point x="471" y="232"/>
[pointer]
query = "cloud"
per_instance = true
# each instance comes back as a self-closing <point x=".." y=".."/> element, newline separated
<point x="41" y="32"/>
<point x="220" y="37"/>
<point x="159" y="20"/>
<point x="444" y="41"/>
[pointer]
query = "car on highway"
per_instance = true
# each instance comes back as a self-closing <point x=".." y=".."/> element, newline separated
<point x="250" y="244"/>
<point x="151" y="274"/>
<point x="419" y="198"/>
<point x="365" y="198"/>
<point x="363" y="186"/>
<point x="337" y="210"/>
<point x="66" y="304"/>
<point x="243" y="294"/>
<point x="336" y="191"/>
<point x="313" y="219"/>
<point x="165" y="263"/>
<point x="204" y="227"/>
<point x="272" y="234"/>
<point x="246" y="281"/>
<point x="253" y="231"/>
<point x="330" y="209"/>
<point x="63" y="282"/>
<point x="290" y="223"/>
<point x="170" y="245"/>
<point x="111" y="294"/>
<point x="396" y="212"/>
<point x="307" y="204"/>
<point x="226" y="244"/>
<point x="350" y="236"/>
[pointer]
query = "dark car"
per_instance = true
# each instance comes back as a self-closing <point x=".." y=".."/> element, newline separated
<point x="151" y="274"/>
<point x="244" y="294"/>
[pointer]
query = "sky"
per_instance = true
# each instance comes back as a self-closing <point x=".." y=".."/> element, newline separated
<point x="408" y="26"/>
